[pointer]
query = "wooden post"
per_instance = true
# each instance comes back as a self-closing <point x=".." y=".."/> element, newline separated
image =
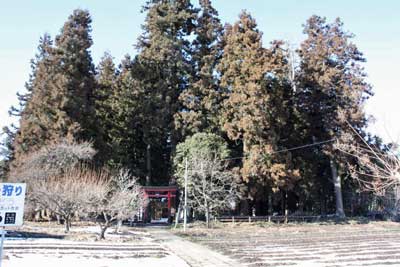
<point x="169" y="204"/>
<point x="185" y="205"/>
<point x="286" y="207"/>
<point x="3" y="236"/>
<point x="148" y="164"/>
<point x="286" y="216"/>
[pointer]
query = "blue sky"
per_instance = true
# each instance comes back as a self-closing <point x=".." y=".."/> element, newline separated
<point x="116" y="26"/>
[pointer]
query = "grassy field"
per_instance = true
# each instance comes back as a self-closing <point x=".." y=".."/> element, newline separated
<point x="351" y="243"/>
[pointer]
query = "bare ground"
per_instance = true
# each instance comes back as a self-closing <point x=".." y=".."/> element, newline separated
<point x="46" y="244"/>
<point x="329" y="245"/>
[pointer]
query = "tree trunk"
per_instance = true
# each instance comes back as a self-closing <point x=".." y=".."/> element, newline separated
<point x="338" y="190"/>
<point x="270" y="208"/>
<point x="67" y="223"/>
<point x="58" y="219"/>
<point x="208" y="218"/>
<point x="397" y="200"/>
<point x="119" y="225"/>
<point x="103" y="231"/>
<point x="244" y="207"/>
<point x="103" y="228"/>
<point x="178" y="212"/>
<point x="301" y="204"/>
<point x="148" y="164"/>
<point x="37" y="215"/>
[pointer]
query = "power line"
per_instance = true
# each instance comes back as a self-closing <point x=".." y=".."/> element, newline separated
<point x="304" y="146"/>
<point x="288" y="149"/>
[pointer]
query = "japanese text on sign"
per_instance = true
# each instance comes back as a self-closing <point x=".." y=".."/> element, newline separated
<point x="12" y="198"/>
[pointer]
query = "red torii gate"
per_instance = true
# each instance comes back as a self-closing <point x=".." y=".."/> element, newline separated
<point x="157" y="192"/>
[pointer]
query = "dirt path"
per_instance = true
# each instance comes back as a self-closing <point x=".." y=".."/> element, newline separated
<point x="194" y="255"/>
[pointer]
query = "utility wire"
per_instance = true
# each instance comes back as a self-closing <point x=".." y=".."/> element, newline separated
<point x="304" y="146"/>
<point x="289" y="149"/>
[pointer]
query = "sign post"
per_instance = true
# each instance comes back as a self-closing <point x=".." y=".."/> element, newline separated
<point x="3" y="236"/>
<point x="12" y="200"/>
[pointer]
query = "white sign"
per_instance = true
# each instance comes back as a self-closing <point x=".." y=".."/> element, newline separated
<point x="12" y="198"/>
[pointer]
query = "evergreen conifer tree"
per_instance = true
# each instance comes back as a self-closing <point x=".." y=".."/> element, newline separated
<point x="332" y="91"/>
<point x="202" y="98"/>
<point x="126" y="130"/>
<point x="74" y="84"/>
<point x="165" y="72"/>
<point x="104" y="104"/>
<point x="257" y="105"/>
<point x="60" y="103"/>
<point x="35" y="109"/>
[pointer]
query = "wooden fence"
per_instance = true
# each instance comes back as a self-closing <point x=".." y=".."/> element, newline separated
<point x="274" y="219"/>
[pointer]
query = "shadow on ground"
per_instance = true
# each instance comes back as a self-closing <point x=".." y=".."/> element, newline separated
<point x="25" y="234"/>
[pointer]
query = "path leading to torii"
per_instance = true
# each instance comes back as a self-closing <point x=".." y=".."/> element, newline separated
<point x="194" y="255"/>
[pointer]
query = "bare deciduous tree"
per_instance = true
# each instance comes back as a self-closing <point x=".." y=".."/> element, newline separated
<point x="53" y="160"/>
<point x="377" y="170"/>
<point x="211" y="186"/>
<point x="54" y="179"/>
<point x="67" y="193"/>
<point x="119" y="200"/>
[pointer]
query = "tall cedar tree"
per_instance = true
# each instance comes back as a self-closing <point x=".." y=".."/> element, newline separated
<point x="105" y="95"/>
<point x="251" y="78"/>
<point x="74" y="84"/>
<point x="163" y="56"/>
<point x="202" y="99"/>
<point x="242" y="69"/>
<point x="6" y="151"/>
<point x="332" y="90"/>
<point x="35" y="111"/>
<point x="60" y="104"/>
<point x="126" y="132"/>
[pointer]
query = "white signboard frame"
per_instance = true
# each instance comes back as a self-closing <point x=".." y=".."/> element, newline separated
<point x="12" y="200"/>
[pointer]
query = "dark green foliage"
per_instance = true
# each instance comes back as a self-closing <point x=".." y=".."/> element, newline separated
<point x="200" y="145"/>
<point x="59" y="102"/>
<point x="332" y="92"/>
<point x="6" y="151"/>
<point x="194" y="80"/>
<point x="3" y="169"/>
<point x="201" y="101"/>
<point x="35" y="106"/>
<point x="104" y="104"/>
<point x="74" y="79"/>
<point x="332" y="82"/>
<point x="211" y="184"/>
<point x="164" y="69"/>
<point x="127" y="125"/>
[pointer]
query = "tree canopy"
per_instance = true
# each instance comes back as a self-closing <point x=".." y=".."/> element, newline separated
<point x="198" y="88"/>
